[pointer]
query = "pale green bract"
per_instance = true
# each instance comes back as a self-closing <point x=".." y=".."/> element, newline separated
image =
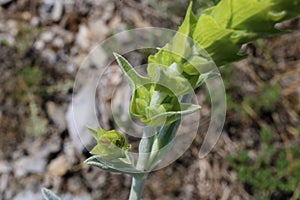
<point x="111" y="144"/>
<point x="156" y="102"/>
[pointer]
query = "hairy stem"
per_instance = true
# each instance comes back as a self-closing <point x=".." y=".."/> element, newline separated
<point x="137" y="186"/>
<point x="145" y="147"/>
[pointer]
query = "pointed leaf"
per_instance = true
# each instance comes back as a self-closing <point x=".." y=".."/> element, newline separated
<point x="133" y="77"/>
<point x="206" y="76"/>
<point x="166" y="118"/>
<point x="162" y="143"/>
<point x="49" y="195"/>
<point x="93" y="132"/>
<point x="180" y="46"/>
<point x="112" y="165"/>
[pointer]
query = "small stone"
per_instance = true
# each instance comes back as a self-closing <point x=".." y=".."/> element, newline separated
<point x="58" y="166"/>
<point x="98" y="57"/>
<point x="28" y="195"/>
<point x="69" y="196"/>
<point x="33" y="164"/>
<point x="7" y="39"/>
<point x="5" y="167"/>
<point x="98" y="30"/>
<point x="57" y="10"/>
<point x="58" y="42"/>
<point x="35" y="21"/>
<point x="71" y="68"/>
<point x="49" y="55"/>
<point x="13" y="27"/>
<point x="81" y="113"/>
<point x="26" y="15"/>
<point x="114" y="23"/>
<point x="74" y="184"/>
<point x="108" y="11"/>
<point x="47" y="36"/>
<point x="57" y="115"/>
<point x="4" y="182"/>
<point x="69" y="152"/>
<point x="82" y="38"/>
<point x="68" y="37"/>
<point x="39" y="45"/>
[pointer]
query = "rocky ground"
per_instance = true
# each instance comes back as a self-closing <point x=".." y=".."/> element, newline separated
<point x="44" y="44"/>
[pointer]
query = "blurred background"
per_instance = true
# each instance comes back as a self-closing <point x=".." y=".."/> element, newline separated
<point x="44" y="42"/>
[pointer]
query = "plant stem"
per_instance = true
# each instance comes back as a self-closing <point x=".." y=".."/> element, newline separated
<point x="145" y="147"/>
<point x="137" y="186"/>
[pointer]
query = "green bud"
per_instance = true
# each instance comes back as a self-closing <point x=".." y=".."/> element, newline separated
<point x="111" y="144"/>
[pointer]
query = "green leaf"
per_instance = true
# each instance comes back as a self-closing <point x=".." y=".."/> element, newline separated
<point x="112" y="165"/>
<point x="49" y="195"/>
<point x="290" y="8"/>
<point x="133" y="77"/>
<point x="198" y="65"/>
<point x="222" y="13"/>
<point x="164" y="57"/>
<point x="180" y="46"/>
<point x="166" y="118"/>
<point x="206" y="76"/>
<point x="216" y="40"/>
<point x="162" y="143"/>
<point x="251" y="15"/>
<point x="93" y="132"/>
<point x="171" y="81"/>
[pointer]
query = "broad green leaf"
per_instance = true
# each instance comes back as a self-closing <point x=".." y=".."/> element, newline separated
<point x="216" y="40"/>
<point x="251" y="15"/>
<point x="222" y="13"/>
<point x="180" y="46"/>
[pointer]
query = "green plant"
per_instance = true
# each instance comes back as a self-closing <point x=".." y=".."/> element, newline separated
<point x="272" y="173"/>
<point x="266" y="99"/>
<point x="160" y="100"/>
<point x="29" y="92"/>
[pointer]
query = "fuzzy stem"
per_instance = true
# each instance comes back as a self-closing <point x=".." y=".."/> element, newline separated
<point x="145" y="147"/>
<point x="137" y="187"/>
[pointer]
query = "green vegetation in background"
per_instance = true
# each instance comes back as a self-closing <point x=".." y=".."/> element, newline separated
<point x="33" y="90"/>
<point x="273" y="173"/>
<point x="266" y="99"/>
<point x="26" y="35"/>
